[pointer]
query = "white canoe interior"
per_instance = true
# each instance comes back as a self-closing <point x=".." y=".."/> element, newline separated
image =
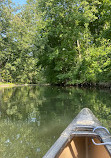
<point x="82" y="147"/>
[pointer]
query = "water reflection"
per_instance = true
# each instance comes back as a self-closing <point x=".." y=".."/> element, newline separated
<point x="32" y="117"/>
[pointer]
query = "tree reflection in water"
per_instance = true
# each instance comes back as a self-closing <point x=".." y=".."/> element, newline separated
<point x="32" y="117"/>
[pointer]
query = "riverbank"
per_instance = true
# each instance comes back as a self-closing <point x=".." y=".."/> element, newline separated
<point x="87" y="85"/>
<point x="3" y="85"/>
<point x="100" y="85"/>
<point x="11" y="85"/>
<point x="7" y="84"/>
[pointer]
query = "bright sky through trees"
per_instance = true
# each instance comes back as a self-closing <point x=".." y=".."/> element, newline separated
<point x="21" y="2"/>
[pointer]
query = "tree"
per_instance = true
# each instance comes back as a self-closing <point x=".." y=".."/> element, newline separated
<point x="17" y="52"/>
<point x="101" y="26"/>
<point x="67" y="37"/>
<point x="60" y="38"/>
<point x="5" y="41"/>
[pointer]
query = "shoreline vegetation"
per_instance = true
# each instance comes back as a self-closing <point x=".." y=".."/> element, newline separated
<point x="11" y="85"/>
<point x="85" y="85"/>
<point x="6" y="84"/>
<point x="102" y="85"/>
<point x="64" y="43"/>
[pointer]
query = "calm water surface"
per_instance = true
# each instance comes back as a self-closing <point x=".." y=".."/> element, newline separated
<point x="32" y="117"/>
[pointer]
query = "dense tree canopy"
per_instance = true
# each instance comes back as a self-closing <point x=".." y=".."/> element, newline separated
<point x="18" y="31"/>
<point x="64" y="41"/>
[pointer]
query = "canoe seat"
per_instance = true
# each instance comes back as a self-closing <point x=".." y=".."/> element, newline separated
<point x="82" y="147"/>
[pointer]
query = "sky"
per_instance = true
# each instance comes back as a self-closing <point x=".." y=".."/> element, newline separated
<point x="21" y="2"/>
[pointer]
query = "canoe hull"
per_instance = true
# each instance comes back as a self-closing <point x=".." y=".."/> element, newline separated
<point x="76" y="139"/>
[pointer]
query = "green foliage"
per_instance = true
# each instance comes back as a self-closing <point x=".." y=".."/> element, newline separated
<point x="18" y="32"/>
<point x="96" y="64"/>
<point x="74" y="50"/>
<point x="66" y="41"/>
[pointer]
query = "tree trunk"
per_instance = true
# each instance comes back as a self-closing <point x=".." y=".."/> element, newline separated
<point x="0" y="76"/>
<point x="78" y="46"/>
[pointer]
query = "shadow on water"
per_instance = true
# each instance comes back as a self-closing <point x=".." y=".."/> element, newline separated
<point x="32" y="117"/>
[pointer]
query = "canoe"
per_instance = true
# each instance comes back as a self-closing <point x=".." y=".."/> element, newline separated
<point x="83" y="138"/>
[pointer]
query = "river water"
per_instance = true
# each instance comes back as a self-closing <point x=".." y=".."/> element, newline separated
<point x="32" y="117"/>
